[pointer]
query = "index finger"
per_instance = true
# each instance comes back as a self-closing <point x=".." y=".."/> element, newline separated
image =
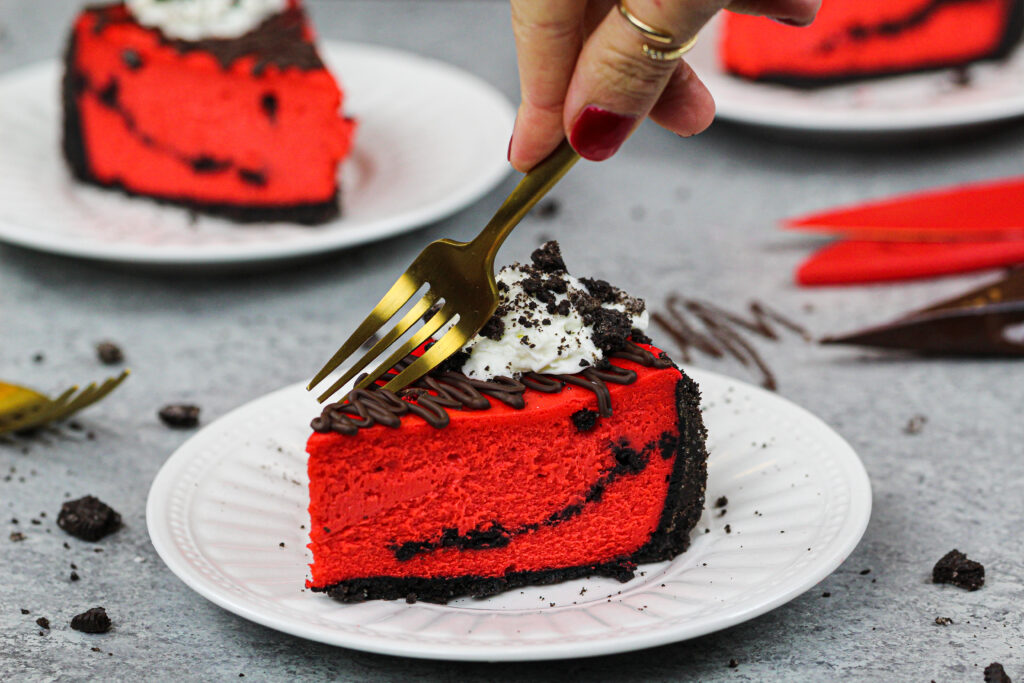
<point x="549" y="36"/>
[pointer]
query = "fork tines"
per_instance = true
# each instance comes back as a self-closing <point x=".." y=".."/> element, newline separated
<point x="45" y="411"/>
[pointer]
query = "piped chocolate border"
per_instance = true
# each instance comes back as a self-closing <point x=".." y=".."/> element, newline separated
<point x="683" y="506"/>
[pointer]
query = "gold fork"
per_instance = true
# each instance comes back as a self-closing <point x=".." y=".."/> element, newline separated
<point x="24" y="408"/>
<point x="460" y="275"/>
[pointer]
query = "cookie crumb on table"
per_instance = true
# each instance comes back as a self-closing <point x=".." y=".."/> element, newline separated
<point x="956" y="569"/>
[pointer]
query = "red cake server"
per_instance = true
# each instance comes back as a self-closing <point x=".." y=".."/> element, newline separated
<point x="857" y="262"/>
<point x="924" y="234"/>
<point x="980" y="212"/>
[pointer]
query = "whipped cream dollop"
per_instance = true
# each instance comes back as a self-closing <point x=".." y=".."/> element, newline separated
<point x="200" y="19"/>
<point x="551" y="322"/>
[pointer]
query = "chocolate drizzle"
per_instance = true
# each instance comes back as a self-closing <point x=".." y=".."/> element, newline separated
<point x="723" y="331"/>
<point x="430" y="397"/>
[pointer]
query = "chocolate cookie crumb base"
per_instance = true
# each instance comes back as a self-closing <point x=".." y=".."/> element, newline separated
<point x="94" y="620"/>
<point x="88" y="518"/>
<point x="441" y="590"/>
<point x="956" y="569"/>
<point x="179" y="415"/>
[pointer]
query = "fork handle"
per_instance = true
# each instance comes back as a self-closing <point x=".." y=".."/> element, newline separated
<point x="534" y="185"/>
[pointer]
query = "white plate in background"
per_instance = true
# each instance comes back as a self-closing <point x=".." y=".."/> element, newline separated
<point x="432" y="139"/>
<point x="924" y="103"/>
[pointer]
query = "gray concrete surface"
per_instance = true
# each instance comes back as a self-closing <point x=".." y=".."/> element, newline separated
<point x="695" y="216"/>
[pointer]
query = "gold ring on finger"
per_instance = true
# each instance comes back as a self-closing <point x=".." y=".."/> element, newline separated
<point x="658" y="36"/>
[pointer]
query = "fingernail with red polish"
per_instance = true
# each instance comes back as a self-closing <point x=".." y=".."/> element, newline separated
<point x="598" y="133"/>
<point x="508" y="155"/>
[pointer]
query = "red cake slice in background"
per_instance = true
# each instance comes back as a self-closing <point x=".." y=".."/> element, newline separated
<point x="484" y="486"/>
<point x="856" y="39"/>
<point x="247" y="128"/>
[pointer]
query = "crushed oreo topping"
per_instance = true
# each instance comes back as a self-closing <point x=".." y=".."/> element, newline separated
<point x="557" y="319"/>
<point x="956" y="569"/>
<point x="179" y="415"/>
<point x="88" y="518"/>
<point x="94" y="620"/>
<point x="548" y="258"/>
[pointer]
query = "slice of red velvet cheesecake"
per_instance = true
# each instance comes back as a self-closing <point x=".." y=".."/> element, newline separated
<point x="852" y="39"/>
<point x="467" y="486"/>
<point x="247" y="127"/>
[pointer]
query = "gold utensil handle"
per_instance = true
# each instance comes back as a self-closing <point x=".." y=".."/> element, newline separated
<point x="534" y="185"/>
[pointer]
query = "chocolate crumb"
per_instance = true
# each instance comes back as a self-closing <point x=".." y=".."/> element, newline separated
<point x="943" y="621"/>
<point x="826" y="594"/>
<point x="733" y="664"/>
<point x="721" y="502"/>
<point x="94" y="620"/>
<point x="548" y="209"/>
<point x="25" y="611"/>
<point x="43" y="622"/>
<point x="88" y="518"/>
<point x="17" y="536"/>
<point x="281" y="544"/>
<point x="994" y="673"/>
<point x="548" y="258"/>
<point x="38" y="358"/>
<point x="639" y="337"/>
<point x="109" y="353"/>
<point x="728" y="529"/>
<point x="584" y="420"/>
<point x="252" y="177"/>
<point x="74" y="576"/>
<point x="955" y="568"/>
<point x="915" y="425"/>
<point x="268" y="103"/>
<point x="179" y="415"/>
<point x="865" y="572"/>
<point x="131" y="59"/>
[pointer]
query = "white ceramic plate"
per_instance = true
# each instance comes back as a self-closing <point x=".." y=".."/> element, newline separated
<point x="431" y="140"/>
<point x="799" y="501"/>
<point x="917" y="103"/>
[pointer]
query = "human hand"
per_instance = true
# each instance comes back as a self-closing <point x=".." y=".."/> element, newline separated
<point x="583" y="74"/>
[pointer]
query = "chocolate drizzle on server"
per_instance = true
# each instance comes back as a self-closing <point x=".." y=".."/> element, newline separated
<point x="722" y="332"/>
<point x="431" y="397"/>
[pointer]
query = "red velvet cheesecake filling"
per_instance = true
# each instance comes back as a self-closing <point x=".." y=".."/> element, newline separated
<point x="850" y="39"/>
<point x="181" y="125"/>
<point x="496" y="491"/>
